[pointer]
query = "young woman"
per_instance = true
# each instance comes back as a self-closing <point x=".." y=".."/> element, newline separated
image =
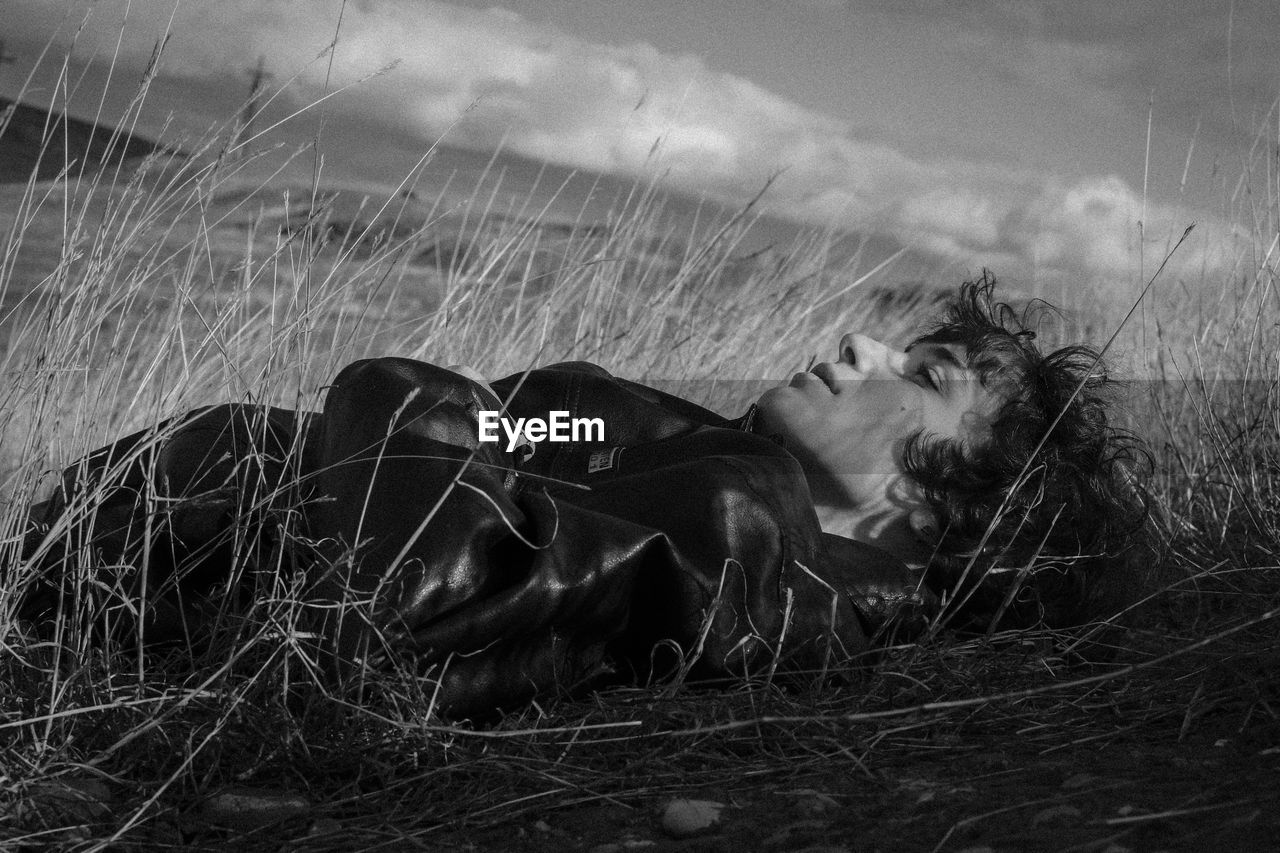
<point x="968" y="472"/>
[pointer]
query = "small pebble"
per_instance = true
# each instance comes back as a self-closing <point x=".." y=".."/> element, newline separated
<point x="249" y="808"/>
<point x="683" y="818"/>
<point x="1055" y="814"/>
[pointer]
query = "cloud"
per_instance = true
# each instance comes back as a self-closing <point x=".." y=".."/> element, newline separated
<point x="485" y="77"/>
<point x="1089" y="231"/>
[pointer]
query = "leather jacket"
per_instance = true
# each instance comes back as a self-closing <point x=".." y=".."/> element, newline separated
<point x="680" y="544"/>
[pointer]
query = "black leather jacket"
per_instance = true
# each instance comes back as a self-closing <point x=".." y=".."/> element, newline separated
<point x="682" y="542"/>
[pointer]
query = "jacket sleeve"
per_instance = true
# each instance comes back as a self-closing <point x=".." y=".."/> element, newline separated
<point x="159" y="518"/>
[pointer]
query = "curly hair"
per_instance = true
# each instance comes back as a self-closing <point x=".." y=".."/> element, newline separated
<point x="1044" y="522"/>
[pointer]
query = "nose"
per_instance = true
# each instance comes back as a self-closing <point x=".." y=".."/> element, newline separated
<point x="870" y="356"/>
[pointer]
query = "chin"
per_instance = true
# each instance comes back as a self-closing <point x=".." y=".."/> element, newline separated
<point x="770" y="400"/>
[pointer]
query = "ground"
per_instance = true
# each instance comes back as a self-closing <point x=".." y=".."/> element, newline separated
<point x="1116" y="766"/>
<point x="1083" y="800"/>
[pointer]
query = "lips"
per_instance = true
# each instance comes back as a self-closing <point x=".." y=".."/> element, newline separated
<point x="826" y="373"/>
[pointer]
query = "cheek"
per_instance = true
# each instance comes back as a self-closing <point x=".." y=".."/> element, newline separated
<point x="949" y="423"/>
<point x="860" y="438"/>
<point x="909" y="421"/>
<point x="909" y="413"/>
<point x="803" y="426"/>
<point x="888" y="413"/>
<point x="883" y="439"/>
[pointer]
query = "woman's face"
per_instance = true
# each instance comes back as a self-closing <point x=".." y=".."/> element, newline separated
<point x="847" y="421"/>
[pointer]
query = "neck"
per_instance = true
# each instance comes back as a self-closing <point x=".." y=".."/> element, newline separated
<point x="884" y="527"/>
<point x="842" y="521"/>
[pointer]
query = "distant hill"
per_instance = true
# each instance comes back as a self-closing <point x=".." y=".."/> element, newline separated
<point x="24" y="130"/>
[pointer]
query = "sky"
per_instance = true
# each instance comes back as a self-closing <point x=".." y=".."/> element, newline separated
<point x="1029" y="137"/>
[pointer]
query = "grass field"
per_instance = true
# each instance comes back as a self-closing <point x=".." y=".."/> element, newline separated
<point x="127" y="298"/>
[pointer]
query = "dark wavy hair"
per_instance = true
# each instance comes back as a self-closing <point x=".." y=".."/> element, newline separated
<point x="1046" y="521"/>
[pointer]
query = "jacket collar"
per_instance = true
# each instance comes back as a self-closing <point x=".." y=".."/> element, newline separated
<point x="750" y="422"/>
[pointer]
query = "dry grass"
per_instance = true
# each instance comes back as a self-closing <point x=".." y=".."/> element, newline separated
<point x="188" y="283"/>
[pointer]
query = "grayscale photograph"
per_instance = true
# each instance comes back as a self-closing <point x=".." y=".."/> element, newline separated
<point x="822" y="426"/>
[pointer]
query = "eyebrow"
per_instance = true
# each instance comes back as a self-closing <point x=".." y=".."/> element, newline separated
<point x="940" y="351"/>
<point x="949" y="356"/>
<point x="983" y="368"/>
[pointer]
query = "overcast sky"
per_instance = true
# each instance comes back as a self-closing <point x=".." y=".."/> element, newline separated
<point x="1006" y="134"/>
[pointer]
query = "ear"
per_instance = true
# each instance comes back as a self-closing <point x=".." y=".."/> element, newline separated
<point x="924" y="525"/>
